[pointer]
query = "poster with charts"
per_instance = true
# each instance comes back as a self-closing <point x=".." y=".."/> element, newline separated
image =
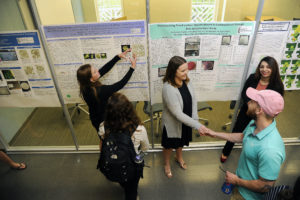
<point x="25" y="78"/>
<point x="218" y="52"/>
<point x="71" y="46"/>
<point x="280" y="40"/>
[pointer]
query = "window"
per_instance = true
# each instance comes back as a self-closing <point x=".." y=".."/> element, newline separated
<point x="109" y="9"/>
<point x="203" y="10"/>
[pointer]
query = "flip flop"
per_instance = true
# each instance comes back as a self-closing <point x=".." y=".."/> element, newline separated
<point x="181" y="165"/>
<point x="21" y="166"/>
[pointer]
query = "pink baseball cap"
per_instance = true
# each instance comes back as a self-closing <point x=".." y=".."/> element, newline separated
<point x="270" y="101"/>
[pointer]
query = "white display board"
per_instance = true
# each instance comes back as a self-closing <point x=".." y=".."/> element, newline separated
<point x="280" y="40"/>
<point x="25" y="79"/>
<point x="71" y="46"/>
<point x="218" y="49"/>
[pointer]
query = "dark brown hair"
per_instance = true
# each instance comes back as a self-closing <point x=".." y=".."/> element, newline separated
<point x="173" y="65"/>
<point x="275" y="79"/>
<point x="84" y="75"/>
<point x="120" y="115"/>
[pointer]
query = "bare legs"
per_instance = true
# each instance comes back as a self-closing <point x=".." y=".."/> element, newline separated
<point x="167" y="154"/>
<point x="179" y="159"/>
<point x="10" y="162"/>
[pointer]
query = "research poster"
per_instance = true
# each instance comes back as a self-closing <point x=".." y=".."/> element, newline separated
<point x="71" y="46"/>
<point x="290" y="61"/>
<point x="218" y="52"/>
<point x="280" y="40"/>
<point x="25" y="79"/>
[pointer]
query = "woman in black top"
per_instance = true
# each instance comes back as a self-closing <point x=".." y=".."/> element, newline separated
<point x="266" y="76"/>
<point x="94" y="93"/>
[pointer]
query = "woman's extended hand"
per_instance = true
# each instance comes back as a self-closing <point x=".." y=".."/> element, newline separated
<point x="123" y="54"/>
<point x="133" y="61"/>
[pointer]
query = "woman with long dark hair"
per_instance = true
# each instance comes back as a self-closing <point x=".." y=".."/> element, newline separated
<point x="179" y="112"/>
<point x="121" y="118"/>
<point x="94" y="93"/>
<point x="266" y="76"/>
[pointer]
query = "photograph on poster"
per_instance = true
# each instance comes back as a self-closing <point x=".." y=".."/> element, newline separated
<point x="35" y="53"/>
<point x="4" y="90"/>
<point x="125" y="47"/>
<point x="13" y="85"/>
<point x="226" y="40"/>
<point x="103" y="55"/>
<point x="138" y="50"/>
<point x="192" y="46"/>
<point x="244" y="40"/>
<point x="89" y="56"/>
<point x="40" y="70"/>
<point x="23" y="54"/>
<point x="192" y="65"/>
<point x="162" y="71"/>
<point x="208" y="65"/>
<point x="8" y="74"/>
<point x="29" y="70"/>
<point x="8" y="55"/>
<point x="25" y="86"/>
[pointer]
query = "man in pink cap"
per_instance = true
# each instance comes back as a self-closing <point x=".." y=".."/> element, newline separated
<point x="263" y="149"/>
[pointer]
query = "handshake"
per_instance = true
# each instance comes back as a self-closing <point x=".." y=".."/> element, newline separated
<point x="204" y="131"/>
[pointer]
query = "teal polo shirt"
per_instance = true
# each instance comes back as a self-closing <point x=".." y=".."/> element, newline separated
<point x="262" y="156"/>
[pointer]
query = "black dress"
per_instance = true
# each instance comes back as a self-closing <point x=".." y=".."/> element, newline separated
<point x="186" y="134"/>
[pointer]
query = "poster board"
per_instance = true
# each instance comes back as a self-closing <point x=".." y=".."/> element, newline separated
<point x="280" y="40"/>
<point x="25" y="78"/>
<point x="218" y="49"/>
<point x="71" y="46"/>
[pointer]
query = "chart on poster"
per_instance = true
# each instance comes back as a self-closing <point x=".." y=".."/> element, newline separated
<point x="218" y="51"/>
<point x="25" y="78"/>
<point x="71" y="46"/>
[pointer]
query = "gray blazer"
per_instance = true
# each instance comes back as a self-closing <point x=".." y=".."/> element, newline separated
<point x="173" y="115"/>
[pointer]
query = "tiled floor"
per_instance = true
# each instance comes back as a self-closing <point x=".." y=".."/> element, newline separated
<point x="74" y="176"/>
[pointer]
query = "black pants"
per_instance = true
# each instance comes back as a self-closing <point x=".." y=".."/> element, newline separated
<point x="131" y="188"/>
<point x="241" y="123"/>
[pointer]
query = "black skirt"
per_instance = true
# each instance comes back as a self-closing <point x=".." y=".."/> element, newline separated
<point x="174" y="143"/>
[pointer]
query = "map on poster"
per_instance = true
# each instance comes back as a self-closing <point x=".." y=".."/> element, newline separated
<point x="280" y="40"/>
<point x="218" y="51"/>
<point x="25" y="79"/>
<point x="71" y="46"/>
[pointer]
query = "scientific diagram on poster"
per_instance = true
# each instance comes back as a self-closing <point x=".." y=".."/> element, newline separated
<point x="217" y="53"/>
<point x="25" y="79"/>
<point x="71" y="46"/>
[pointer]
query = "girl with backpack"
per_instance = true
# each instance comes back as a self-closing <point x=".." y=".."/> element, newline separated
<point x="121" y="118"/>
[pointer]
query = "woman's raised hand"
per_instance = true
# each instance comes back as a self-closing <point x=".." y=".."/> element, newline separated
<point x="133" y="61"/>
<point x="123" y="54"/>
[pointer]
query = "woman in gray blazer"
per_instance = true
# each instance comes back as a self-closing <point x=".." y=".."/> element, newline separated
<point x="179" y="112"/>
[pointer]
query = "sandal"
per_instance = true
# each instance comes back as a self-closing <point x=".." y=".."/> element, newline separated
<point x="168" y="173"/>
<point x="182" y="165"/>
<point x="20" y="167"/>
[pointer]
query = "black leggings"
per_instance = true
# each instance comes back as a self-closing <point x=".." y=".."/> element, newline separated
<point x="131" y="188"/>
<point x="241" y="123"/>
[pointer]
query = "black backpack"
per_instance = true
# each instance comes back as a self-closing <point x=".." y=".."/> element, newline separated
<point x="117" y="157"/>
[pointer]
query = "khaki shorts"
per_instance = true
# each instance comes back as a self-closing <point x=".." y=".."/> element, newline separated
<point x="236" y="194"/>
